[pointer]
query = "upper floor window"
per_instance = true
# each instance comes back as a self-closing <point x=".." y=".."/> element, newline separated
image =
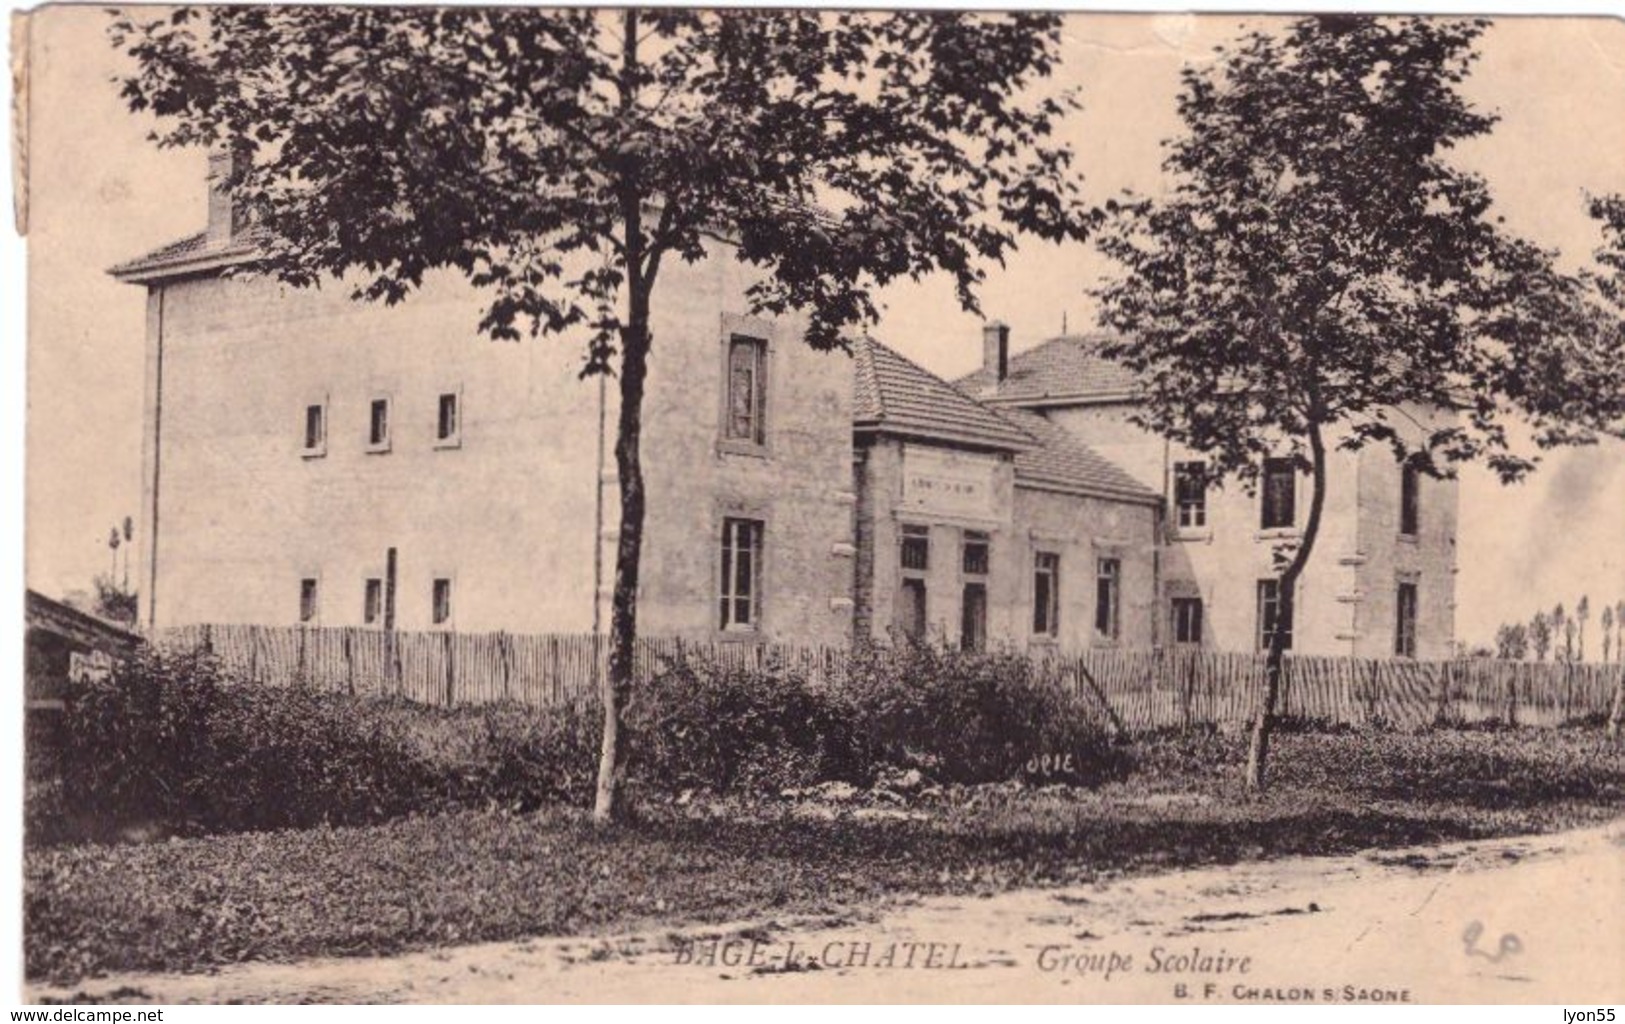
<point x="1405" y="621"/>
<point x="315" y="429"/>
<point x="974" y="558"/>
<point x="448" y="430"/>
<point x="916" y="548"/>
<point x="1190" y="494"/>
<point x="1274" y="613"/>
<point x="745" y="415"/>
<point x="440" y="599"/>
<point x="1046" y="594"/>
<point x="1279" y="504"/>
<point x="378" y="425"/>
<point x="309" y="600"/>
<point x="1410" y="499"/>
<point x="1108" y="588"/>
<point x="741" y="576"/>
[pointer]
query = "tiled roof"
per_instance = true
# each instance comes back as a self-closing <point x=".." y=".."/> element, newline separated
<point x="190" y="250"/>
<point x="1062" y="462"/>
<point x="1068" y="367"/>
<point x="894" y="395"/>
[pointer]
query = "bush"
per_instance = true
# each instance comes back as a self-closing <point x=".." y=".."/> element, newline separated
<point x="973" y="717"/>
<point x="168" y="744"/>
<point x="700" y="725"/>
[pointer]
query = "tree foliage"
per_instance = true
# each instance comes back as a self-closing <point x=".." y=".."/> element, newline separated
<point x="555" y="158"/>
<point x="1318" y="269"/>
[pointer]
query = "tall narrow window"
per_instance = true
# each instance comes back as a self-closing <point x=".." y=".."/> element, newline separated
<point x="973" y="565"/>
<point x="1405" y="624"/>
<point x="1187" y="620"/>
<point x="1280" y="494"/>
<point x="1274" y="613"/>
<point x="1047" y="594"/>
<point x="309" y="600"/>
<point x="1410" y="499"/>
<point x="441" y="600"/>
<point x="914" y="559"/>
<point x="1108" y="585"/>
<point x="378" y="425"/>
<point x="315" y="429"/>
<point x="1190" y="495"/>
<point x="745" y="417"/>
<point x="741" y="574"/>
<point x="372" y="602"/>
<point x="448" y="420"/>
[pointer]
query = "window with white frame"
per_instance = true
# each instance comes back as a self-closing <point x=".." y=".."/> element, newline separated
<point x="745" y="413"/>
<point x="1274" y="613"/>
<point x="1279" y="495"/>
<point x="1187" y="620"/>
<point x="309" y="599"/>
<point x="448" y="429"/>
<point x="315" y="429"/>
<point x="372" y="601"/>
<point x="1108" y="595"/>
<point x="440" y="600"/>
<point x="1190" y="495"/>
<point x="378" y="424"/>
<point x="1046" y="594"/>
<point x="1405" y="620"/>
<point x="741" y="574"/>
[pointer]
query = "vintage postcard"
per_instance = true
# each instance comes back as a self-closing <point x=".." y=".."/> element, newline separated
<point x="555" y="505"/>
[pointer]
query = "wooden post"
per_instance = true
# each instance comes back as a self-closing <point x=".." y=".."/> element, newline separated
<point x="505" y="659"/>
<point x="1512" y="693"/>
<point x="448" y="647"/>
<point x="349" y="662"/>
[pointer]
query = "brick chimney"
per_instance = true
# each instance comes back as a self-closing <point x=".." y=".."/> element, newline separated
<point x="996" y="350"/>
<point x="225" y="221"/>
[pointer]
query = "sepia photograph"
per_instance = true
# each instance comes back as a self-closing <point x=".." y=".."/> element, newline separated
<point x="681" y="505"/>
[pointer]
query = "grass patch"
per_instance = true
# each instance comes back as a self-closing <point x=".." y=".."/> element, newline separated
<point x="480" y="875"/>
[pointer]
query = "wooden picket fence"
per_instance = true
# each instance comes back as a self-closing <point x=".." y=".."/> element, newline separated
<point x="1131" y="691"/>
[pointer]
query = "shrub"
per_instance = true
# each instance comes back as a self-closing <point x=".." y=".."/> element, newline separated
<point x="971" y="716"/>
<point x="698" y="724"/>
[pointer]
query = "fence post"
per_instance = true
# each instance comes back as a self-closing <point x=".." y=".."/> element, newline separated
<point x="504" y="659"/>
<point x="349" y="662"/>
<point x="449" y="652"/>
<point x="299" y="676"/>
<point x="208" y="639"/>
<point x="1441" y="704"/>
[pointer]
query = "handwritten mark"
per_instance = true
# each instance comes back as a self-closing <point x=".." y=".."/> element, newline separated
<point x="1509" y="944"/>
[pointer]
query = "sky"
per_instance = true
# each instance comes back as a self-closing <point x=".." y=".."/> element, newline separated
<point x="101" y="193"/>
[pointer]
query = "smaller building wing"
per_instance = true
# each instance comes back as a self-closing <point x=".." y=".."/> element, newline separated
<point x="894" y="395"/>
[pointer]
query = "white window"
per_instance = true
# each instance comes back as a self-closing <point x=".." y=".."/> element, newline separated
<point x="1405" y="621"/>
<point x="1278" y="506"/>
<point x="741" y="575"/>
<point x="1190" y="495"/>
<point x="1046" y="594"/>
<point x="1108" y="585"/>
<point x="1273" y="613"/>
<point x="914" y="559"/>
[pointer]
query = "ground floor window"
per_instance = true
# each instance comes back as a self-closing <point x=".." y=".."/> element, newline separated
<point x="973" y="618"/>
<point x="741" y="575"/>
<point x="1108" y="586"/>
<point x="1046" y="594"/>
<point x="1274" y="613"/>
<point x="1187" y="620"/>
<point x="441" y="598"/>
<point x="1405" y="624"/>
<point x="309" y="600"/>
<point x="372" y="601"/>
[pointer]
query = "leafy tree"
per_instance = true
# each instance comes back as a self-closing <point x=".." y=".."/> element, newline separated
<point x="558" y="158"/>
<point x="1512" y="642"/>
<point x="1540" y="635"/>
<point x="114" y="602"/>
<point x="1318" y="268"/>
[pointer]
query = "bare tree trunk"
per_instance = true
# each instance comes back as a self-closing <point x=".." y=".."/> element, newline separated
<point x="609" y="799"/>
<point x="1264" y="723"/>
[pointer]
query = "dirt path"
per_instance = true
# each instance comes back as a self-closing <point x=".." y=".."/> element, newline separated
<point x="1537" y="919"/>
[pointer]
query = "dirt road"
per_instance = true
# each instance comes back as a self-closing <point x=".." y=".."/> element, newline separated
<point x="1538" y="919"/>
